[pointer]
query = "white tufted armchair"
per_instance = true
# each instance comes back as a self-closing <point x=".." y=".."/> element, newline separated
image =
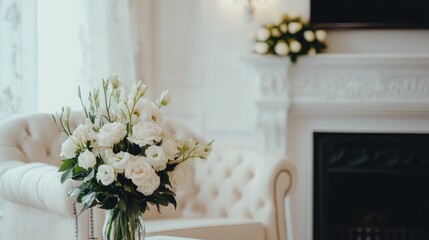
<point x="238" y="193"/>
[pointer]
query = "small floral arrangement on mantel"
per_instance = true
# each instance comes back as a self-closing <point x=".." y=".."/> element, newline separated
<point x="292" y="37"/>
<point x="124" y="157"/>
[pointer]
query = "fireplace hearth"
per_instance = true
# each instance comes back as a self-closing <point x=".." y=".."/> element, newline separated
<point x="370" y="186"/>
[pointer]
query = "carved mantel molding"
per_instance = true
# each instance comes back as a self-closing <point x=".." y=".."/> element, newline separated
<point x="336" y="82"/>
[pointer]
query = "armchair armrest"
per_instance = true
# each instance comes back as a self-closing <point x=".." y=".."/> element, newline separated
<point x="35" y="185"/>
<point x="244" y="183"/>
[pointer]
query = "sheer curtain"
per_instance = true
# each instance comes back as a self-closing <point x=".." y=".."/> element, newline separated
<point x="48" y="47"/>
<point x="81" y="42"/>
<point x="18" y="68"/>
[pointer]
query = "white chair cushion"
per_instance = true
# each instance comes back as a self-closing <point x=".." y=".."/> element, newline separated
<point x="215" y="228"/>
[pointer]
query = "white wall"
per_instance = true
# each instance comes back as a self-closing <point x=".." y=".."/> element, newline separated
<point x="198" y="50"/>
<point x="198" y="46"/>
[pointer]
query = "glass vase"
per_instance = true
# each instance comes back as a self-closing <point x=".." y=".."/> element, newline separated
<point x="123" y="226"/>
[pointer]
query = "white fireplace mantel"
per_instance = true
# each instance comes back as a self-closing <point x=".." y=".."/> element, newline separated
<point x="335" y="82"/>
<point x="335" y="93"/>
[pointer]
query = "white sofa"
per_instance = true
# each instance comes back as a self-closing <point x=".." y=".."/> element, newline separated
<point x="238" y="193"/>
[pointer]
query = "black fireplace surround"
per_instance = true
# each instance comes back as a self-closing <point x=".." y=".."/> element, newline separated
<point x="371" y="186"/>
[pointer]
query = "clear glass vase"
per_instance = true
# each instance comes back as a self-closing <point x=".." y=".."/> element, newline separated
<point x="123" y="226"/>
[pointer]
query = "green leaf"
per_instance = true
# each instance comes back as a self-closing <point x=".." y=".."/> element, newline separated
<point x="74" y="191"/>
<point x="110" y="202"/>
<point x="172" y="200"/>
<point x="65" y="165"/>
<point x="88" y="201"/>
<point x="122" y="206"/>
<point x="90" y="175"/>
<point x="67" y="175"/>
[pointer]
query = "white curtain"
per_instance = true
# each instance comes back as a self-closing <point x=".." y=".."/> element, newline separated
<point x="98" y="38"/>
<point x="18" y="70"/>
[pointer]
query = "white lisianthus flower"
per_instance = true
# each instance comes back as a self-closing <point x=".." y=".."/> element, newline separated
<point x="78" y="141"/>
<point x="321" y="35"/>
<point x="119" y="161"/>
<point x="283" y="27"/>
<point x="143" y="176"/>
<point x="261" y="48"/>
<point x="111" y="133"/>
<point x="281" y="49"/>
<point x="147" y="111"/>
<point x="165" y="98"/>
<point x="156" y="157"/>
<point x="105" y="174"/>
<point x="170" y="148"/>
<point x="188" y="146"/>
<point x="312" y="51"/>
<point x="294" y="27"/>
<point x="67" y="111"/>
<point x="145" y="133"/>
<point x="69" y="148"/>
<point x="262" y="34"/>
<point x="86" y="159"/>
<point x="203" y="151"/>
<point x="275" y="32"/>
<point x="295" y="46"/>
<point x="154" y="114"/>
<point x="84" y="133"/>
<point x="309" y="36"/>
<point x="114" y="81"/>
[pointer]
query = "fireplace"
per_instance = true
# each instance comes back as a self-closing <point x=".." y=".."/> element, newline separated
<point x="345" y="93"/>
<point x="370" y="186"/>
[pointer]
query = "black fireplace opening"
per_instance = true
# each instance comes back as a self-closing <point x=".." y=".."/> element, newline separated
<point x="371" y="186"/>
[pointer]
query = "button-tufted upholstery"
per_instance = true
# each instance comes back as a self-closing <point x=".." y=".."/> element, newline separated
<point x="238" y="193"/>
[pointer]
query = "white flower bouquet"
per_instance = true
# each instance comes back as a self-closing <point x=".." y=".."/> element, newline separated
<point x="123" y="156"/>
<point x="292" y="37"/>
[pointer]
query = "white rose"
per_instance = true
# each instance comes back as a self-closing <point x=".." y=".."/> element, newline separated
<point x="262" y="34"/>
<point x="283" y="27"/>
<point x="150" y="185"/>
<point x="86" y="159"/>
<point x="312" y="51"/>
<point x="321" y="35"/>
<point x="281" y="49"/>
<point x="105" y="174"/>
<point x="170" y="148"/>
<point x="111" y="133"/>
<point x="156" y="157"/>
<point x="138" y="170"/>
<point x="182" y="174"/>
<point x="143" y="176"/>
<point x="294" y="27"/>
<point x="145" y="133"/>
<point x="309" y="36"/>
<point x="69" y="148"/>
<point x="261" y="48"/>
<point x="119" y="161"/>
<point x="295" y="46"/>
<point x="275" y="32"/>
